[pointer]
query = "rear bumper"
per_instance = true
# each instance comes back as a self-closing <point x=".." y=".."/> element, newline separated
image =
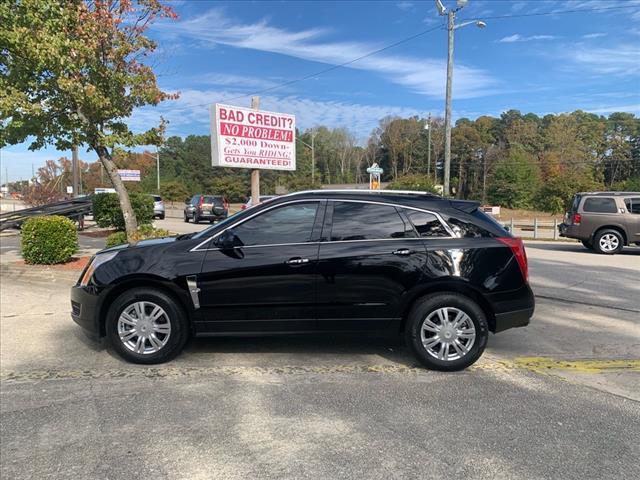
<point x="571" y="231"/>
<point x="84" y="309"/>
<point x="512" y="309"/>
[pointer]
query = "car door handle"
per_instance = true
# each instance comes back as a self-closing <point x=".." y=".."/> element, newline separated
<point x="403" y="252"/>
<point x="297" y="261"/>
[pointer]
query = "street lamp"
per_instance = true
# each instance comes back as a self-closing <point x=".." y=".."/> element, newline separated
<point x="451" y="26"/>
<point x="427" y="127"/>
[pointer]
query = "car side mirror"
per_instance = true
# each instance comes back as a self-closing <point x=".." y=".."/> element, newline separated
<point x="228" y="240"/>
<point x="187" y="201"/>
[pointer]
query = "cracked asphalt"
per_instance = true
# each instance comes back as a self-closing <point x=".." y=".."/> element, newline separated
<point x="558" y="399"/>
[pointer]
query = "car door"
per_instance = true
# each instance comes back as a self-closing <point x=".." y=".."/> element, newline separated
<point x="369" y="257"/>
<point x="632" y="218"/>
<point x="268" y="281"/>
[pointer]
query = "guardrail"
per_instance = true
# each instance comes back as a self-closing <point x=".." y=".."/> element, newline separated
<point x="536" y="229"/>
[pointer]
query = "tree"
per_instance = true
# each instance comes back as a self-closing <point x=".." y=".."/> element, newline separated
<point x="72" y="73"/>
<point x="514" y="181"/>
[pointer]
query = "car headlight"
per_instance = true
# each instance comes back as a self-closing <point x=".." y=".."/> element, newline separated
<point x="95" y="262"/>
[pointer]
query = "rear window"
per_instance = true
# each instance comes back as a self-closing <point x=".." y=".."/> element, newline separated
<point x="213" y="200"/>
<point x="600" y="205"/>
<point x="426" y="224"/>
<point x="633" y="205"/>
<point x="157" y="198"/>
<point x="575" y="203"/>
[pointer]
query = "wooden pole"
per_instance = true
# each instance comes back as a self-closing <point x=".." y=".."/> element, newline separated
<point x="255" y="174"/>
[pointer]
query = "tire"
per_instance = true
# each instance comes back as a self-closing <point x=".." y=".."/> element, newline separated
<point x="196" y="218"/>
<point x="429" y="308"/>
<point x="186" y="219"/>
<point x="587" y="244"/>
<point x="171" y="331"/>
<point x="161" y="217"/>
<point x="608" y="242"/>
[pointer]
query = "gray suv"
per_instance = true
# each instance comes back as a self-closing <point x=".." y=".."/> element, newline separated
<point x="604" y="221"/>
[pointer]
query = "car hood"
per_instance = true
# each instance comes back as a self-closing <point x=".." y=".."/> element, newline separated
<point x="141" y="244"/>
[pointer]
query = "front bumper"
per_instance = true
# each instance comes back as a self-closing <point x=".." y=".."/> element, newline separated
<point x="84" y="309"/>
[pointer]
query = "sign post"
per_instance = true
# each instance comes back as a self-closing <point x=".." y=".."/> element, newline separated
<point x="250" y="138"/>
<point x="255" y="174"/>
<point x="374" y="172"/>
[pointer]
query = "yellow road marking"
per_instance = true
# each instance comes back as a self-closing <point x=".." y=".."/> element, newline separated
<point x="544" y="364"/>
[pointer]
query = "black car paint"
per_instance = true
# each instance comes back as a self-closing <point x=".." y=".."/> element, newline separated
<point x="345" y="286"/>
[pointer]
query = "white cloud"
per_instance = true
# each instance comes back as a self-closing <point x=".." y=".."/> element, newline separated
<point x="519" y="38"/>
<point x="421" y="75"/>
<point x="594" y="35"/>
<point x="405" y="6"/>
<point x="190" y="113"/>
<point x="241" y="82"/>
<point x="615" y="60"/>
<point x="634" y="108"/>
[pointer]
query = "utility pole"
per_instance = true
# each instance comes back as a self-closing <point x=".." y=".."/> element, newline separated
<point x="75" y="170"/>
<point x="428" y="127"/>
<point x="255" y="174"/>
<point x="313" y="158"/>
<point x="158" y="169"/>
<point x="451" y="26"/>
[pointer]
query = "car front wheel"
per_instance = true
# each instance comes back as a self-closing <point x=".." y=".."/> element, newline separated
<point x="186" y="218"/>
<point x="145" y="325"/>
<point x="447" y="331"/>
<point x="608" y="242"/>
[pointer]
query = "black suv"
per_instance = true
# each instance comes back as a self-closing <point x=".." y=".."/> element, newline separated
<point x="440" y="271"/>
<point x="206" y="207"/>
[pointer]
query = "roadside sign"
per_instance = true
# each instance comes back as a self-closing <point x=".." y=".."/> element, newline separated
<point x="104" y="190"/>
<point x="256" y="139"/>
<point x="374" y="172"/>
<point x="129" y="175"/>
<point x="69" y="189"/>
<point x="375" y="169"/>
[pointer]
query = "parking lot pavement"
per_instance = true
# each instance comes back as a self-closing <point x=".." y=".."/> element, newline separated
<point x="178" y="225"/>
<point x="537" y="405"/>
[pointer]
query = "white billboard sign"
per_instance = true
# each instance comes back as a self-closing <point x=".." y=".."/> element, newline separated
<point x="129" y="175"/>
<point x="248" y="138"/>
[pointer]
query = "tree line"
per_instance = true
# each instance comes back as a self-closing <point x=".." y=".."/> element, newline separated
<point x="516" y="161"/>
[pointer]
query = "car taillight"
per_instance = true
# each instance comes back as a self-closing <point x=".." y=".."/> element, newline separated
<point x="517" y="247"/>
<point x="225" y="204"/>
<point x="576" y="219"/>
<point x="201" y="202"/>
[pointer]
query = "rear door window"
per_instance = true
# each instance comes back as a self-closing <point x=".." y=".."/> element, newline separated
<point x="367" y="221"/>
<point x="600" y="205"/>
<point x="633" y="205"/>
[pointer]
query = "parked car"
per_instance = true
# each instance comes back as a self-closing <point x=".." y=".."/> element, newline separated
<point x="263" y="198"/>
<point x="440" y="271"/>
<point x="604" y="221"/>
<point x="206" y="207"/>
<point x="158" y="207"/>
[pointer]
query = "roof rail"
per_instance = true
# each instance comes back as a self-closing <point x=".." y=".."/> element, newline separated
<point x="356" y="190"/>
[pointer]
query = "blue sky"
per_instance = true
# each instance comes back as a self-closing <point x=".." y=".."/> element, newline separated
<point x="541" y="64"/>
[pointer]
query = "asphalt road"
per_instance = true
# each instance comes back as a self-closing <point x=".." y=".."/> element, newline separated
<point x="333" y="407"/>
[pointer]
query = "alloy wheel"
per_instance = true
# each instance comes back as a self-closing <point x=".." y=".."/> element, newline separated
<point x="609" y="242"/>
<point x="448" y="333"/>
<point x="144" y="327"/>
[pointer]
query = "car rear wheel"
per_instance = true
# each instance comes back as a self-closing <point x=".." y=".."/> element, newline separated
<point x="186" y="218"/>
<point x="447" y="331"/>
<point x="145" y="325"/>
<point x="196" y="218"/>
<point x="608" y="242"/>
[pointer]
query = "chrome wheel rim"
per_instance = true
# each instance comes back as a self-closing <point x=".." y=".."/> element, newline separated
<point x="144" y="328"/>
<point x="609" y="242"/>
<point x="448" y="334"/>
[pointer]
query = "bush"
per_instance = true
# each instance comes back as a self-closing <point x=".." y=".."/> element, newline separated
<point x="48" y="240"/>
<point x="174" y="191"/>
<point x="556" y="193"/>
<point x="107" y="212"/>
<point x="144" y="232"/>
<point x="413" y="182"/>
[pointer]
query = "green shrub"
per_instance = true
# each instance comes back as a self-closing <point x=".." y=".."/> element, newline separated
<point x="144" y="232"/>
<point x="416" y="182"/>
<point x="107" y="212"/>
<point x="556" y="193"/>
<point x="174" y="191"/>
<point x="48" y="240"/>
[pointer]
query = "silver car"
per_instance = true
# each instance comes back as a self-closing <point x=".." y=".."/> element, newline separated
<point x="158" y="207"/>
